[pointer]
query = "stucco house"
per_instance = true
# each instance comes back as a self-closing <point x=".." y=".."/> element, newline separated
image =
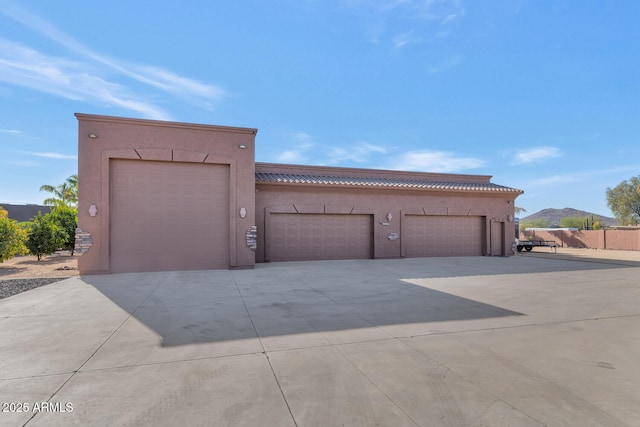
<point x="160" y="196"/>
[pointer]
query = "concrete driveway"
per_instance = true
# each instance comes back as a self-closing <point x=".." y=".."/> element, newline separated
<point x="524" y="341"/>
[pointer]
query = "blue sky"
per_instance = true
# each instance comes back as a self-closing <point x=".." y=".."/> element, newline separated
<point x="542" y="95"/>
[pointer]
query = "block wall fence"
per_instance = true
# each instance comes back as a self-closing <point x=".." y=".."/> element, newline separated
<point x="592" y="239"/>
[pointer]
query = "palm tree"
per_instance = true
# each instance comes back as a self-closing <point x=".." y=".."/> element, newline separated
<point x="65" y="194"/>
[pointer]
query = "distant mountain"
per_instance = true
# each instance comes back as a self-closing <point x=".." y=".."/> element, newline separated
<point x="555" y="215"/>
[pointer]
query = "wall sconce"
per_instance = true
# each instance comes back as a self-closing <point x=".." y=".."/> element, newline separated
<point x="242" y="212"/>
<point x="510" y="218"/>
<point x="242" y="146"/>
<point x="92" y="136"/>
<point x="508" y="202"/>
<point x="389" y="216"/>
<point x="93" y="210"/>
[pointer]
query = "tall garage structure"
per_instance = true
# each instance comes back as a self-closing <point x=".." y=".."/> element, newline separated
<point x="160" y="196"/>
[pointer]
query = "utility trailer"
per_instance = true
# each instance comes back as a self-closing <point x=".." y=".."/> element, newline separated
<point x="528" y="245"/>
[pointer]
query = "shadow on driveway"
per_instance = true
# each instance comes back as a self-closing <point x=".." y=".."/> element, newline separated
<point x="310" y="297"/>
<point x="283" y="299"/>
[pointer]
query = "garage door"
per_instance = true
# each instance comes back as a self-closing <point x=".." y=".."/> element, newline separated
<point x="168" y="216"/>
<point x="298" y="237"/>
<point x="427" y="236"/>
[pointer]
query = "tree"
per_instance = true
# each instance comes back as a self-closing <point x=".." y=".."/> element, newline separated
<point x="624" y="201"/>
<point x="518" y="210"/>
<point x="573" y="222"/>
<point x="12" y="238"/>
<point x="534" y="223"/>
<point x="67" y="219"/>
<point x="44" y="237"/>
<point x="65" y="194"/>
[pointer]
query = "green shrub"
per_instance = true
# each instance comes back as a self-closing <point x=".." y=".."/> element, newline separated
<point x="44" y="237"/>
<point x="67" y="218"/>
<point x="12" y="239"/>
<point x="534" y="223"/>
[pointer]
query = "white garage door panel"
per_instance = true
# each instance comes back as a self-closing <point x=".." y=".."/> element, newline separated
<point x="426" y="236"/>
<point x="168" y="216"/>
<point x="297" y="237"/>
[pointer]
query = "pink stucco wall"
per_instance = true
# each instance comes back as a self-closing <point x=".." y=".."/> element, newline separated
<point x="147" y="140"/>
<point x="107" y="144"/>
<point x="496" y="208"/>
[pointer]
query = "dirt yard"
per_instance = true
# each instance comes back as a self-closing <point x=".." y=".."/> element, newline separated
<point x="58" y="265"/>
<point x="62" y="264"/>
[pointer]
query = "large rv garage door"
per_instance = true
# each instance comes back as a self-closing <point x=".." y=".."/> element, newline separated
<point x="429" y="236"/>
<point x="168" y="216"/>
<point x="298" y="237"/>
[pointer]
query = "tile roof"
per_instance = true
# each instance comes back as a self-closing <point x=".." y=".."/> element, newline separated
<point x="280" y="178"/>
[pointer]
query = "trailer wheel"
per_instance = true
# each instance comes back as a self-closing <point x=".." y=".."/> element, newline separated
<point x="528" y="248"/>
<point x="519" y="248"/>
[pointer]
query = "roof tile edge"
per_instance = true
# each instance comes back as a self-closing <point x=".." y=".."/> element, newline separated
<point x="269" y="178"/>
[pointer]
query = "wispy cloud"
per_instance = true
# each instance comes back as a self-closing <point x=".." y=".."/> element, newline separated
<point x="446" y="64"/>
<point x="407" y="22"/>
<point x="360" y="152"/>
<point x="452" y="17"/>
<point x="443" y="10"/>
<point x="292" y="156"/>
<point x="436" y="161"/>
<point x="11" y="131"/>
<point x="305" y="150"/>
<point x="26" y="67"/>
<point x="404" y="39"/>
<point x="50" y="155"/>
<point x="535" y="154"/>
<point x="578" y="176"/>
<point x="302" y="142"/>
<point x="91" y="76"/>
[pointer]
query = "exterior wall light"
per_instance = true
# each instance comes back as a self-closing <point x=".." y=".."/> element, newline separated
<point x="389" y="216"/>
<point x="92" y="136"/>
<point x="93" y="210"/>
<point x="242" y="212"/>
<point x="242" y="146"/>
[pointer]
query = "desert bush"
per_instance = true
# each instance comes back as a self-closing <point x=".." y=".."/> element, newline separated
<point x="12" y="239"/>
<point x="534" y="223"/>
<point x="44" y="236"/>
<point x="67" y="218"/>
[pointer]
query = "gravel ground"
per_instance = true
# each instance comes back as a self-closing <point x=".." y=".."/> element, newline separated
<point x="10" y="287"/>
<point x="24" y="273"/>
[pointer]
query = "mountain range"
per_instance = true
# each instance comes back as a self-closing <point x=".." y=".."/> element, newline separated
<point x="555" y="215"/>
